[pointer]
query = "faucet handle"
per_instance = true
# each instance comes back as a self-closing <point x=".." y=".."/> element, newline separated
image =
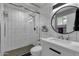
<point x="60" y="37"/>
<point x="67" y="38"/>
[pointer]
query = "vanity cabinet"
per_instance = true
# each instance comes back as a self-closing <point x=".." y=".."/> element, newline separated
<point x="50" y="49"/>
<point x="47" y="52"/>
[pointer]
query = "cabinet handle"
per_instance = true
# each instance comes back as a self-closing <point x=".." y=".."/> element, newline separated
<point x="55" y="50"/>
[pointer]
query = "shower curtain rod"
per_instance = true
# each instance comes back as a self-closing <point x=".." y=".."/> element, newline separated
<point x="25" y="8"/>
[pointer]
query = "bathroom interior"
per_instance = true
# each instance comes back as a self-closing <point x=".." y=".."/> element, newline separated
<point x="39" y="29"/>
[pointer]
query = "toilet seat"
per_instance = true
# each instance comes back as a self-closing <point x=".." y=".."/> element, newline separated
<point x="36" y="50"/>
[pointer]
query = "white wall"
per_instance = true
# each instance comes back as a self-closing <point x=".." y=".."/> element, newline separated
<point x="70" y="22"/>
<point x="46" y="20"/>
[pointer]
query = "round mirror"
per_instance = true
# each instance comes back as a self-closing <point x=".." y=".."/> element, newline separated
<point x="63" y="20"/>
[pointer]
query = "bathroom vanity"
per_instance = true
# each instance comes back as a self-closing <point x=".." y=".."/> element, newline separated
<point x="59" y="47"/>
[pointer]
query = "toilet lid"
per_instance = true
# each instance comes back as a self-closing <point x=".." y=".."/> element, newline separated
<point x="36" y="48"/>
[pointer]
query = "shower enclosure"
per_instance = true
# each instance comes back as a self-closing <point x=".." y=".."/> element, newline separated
<point x="19" y="27"/>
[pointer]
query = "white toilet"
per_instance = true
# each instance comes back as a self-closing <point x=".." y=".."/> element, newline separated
<point x="36" y="50"/>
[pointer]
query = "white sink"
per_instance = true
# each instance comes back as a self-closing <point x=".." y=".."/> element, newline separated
<point x="59" y="40"/>
<point x="74" y="43"/>
<point x="63" y="42"/>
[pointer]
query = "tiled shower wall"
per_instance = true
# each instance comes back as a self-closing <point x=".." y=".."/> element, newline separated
<point x="19" y="32"/>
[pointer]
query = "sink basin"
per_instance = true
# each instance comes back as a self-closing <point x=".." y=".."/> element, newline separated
<point x="66" y="42"/>
<point x="62" y="42"/>
<point x="59" y="40"/>
<point x="75" y="43"/>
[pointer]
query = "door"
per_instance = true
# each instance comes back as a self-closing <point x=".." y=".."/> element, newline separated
<point x="29" y="30"/>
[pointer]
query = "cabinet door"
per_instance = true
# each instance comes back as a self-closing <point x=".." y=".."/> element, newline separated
<point x="68" y="52"/>
<point x="48" y="50"/>
<point x="76" y="53"/>
<point x="63" y="51"/>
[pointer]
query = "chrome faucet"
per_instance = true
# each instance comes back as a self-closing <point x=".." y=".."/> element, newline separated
<point x="68" y="38"/>
<point x="61" y="37"/>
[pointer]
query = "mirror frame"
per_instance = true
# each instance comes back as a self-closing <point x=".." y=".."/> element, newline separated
<point x="56" y="13"/>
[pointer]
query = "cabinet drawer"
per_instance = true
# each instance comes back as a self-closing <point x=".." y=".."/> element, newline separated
<point x="56" y="47"/>
<point x="49" y="52"/>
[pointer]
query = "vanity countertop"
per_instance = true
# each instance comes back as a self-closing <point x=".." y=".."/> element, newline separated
<point x="64" y="43"/>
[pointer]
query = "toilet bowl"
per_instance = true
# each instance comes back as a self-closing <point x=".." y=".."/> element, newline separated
<point x="36" y="51"/>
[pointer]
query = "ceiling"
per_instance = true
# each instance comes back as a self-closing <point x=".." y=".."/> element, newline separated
<point x="33" y="6"/>
<point x="40" y="4"/>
